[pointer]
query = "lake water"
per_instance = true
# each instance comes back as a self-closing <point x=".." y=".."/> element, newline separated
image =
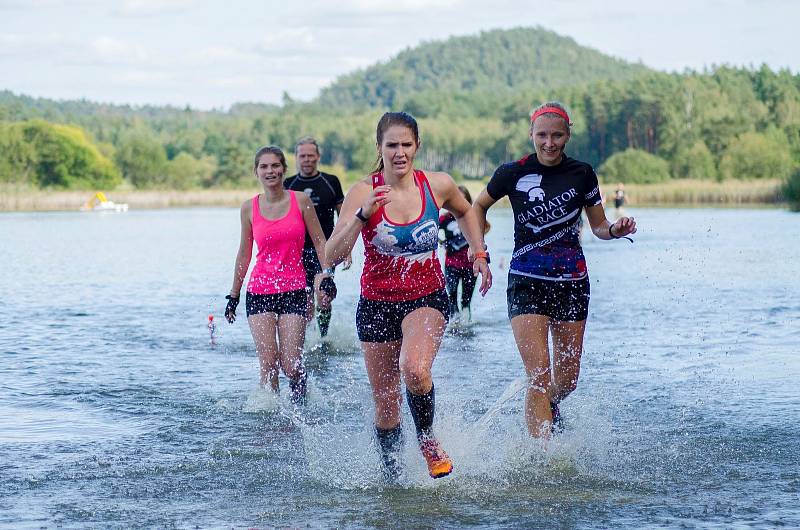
<point x="116" y="412"/>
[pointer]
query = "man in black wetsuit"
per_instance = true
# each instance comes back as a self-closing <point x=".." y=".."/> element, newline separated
<point x="325" y="192"/>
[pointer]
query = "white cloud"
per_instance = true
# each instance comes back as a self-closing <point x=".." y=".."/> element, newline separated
<point x="143" y="78"/>
<point x="147" y="8"/>
<point x="226" y="54"/>
<point x="29" y="43"/>
<point x="380" y="7"/>
<point x="292" y="40"/>
<point x="109" y="49"/>
<point x="27" y="4"/>
<point x="238" y="81"/>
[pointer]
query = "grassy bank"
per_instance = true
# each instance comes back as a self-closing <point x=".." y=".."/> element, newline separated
<point x="701" y="192"/>
<point x="673" y="193"/>
<point x="20" y="200"/>
<point x="687" y="193"/>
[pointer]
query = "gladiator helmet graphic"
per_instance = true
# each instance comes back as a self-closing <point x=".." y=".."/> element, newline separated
<point x="530" y="184"/>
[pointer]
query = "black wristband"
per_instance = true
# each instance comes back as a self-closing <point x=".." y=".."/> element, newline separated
<point x="360" y="215"/>
<point x="612" y="233"/>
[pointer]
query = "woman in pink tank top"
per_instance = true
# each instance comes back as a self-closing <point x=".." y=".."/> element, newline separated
<point x="276" y="221"/>
<point x="403" y="309"/>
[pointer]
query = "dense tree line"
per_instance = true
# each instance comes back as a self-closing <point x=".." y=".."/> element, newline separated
<point x="648" y="126"/>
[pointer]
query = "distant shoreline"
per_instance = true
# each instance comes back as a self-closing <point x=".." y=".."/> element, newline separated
<point x="678" y="193"/>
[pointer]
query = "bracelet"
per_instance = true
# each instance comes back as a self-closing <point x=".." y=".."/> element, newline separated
<point x="612" y="233"/>
<point x="482" y="254"/>
<point x="360" y="216"/>
<point x="330" y="271"/>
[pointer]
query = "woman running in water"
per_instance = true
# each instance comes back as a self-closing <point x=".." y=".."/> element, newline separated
<point x="457" y="265"/>
<point x="403" y="308"/>
<point x="276" y="297"/>
<point x="548" y="286"/>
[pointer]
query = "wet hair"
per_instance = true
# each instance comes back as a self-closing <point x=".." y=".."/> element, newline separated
<point x="389" y="119"/>
<point x="306" y="140"/>
<point x="552" y="104"/>
<point x="467" y="195"/>
<point x="270" y="149"/>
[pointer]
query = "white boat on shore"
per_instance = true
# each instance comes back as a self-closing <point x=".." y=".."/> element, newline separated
<point x="99" y="203"/>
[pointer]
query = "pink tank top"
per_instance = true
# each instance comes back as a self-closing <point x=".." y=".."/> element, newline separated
<point x="279" y="265"/>
<point x="400" y="259"/>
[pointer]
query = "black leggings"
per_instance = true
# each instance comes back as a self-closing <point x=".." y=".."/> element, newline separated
<point x="453" y="276"/>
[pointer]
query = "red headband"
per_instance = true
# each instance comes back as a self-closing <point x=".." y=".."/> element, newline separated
<point x="547" y="110"/>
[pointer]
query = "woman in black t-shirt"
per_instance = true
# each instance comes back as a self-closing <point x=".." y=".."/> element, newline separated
<point x="548" y="286"/>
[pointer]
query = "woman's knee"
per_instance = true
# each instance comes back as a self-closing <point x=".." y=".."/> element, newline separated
<point x="268" y="354"/>
<point x="416" y="375"/>
<point x="270" y="366"/>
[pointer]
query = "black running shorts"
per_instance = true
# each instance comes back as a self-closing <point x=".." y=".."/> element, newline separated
<point x="292" y="302"/>
<point x="378" y="321"/>
<point x="565" y="300"/>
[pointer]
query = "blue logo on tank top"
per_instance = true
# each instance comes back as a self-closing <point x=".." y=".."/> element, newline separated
<point x="419" y="238"/>
<point x="417" y="241"/>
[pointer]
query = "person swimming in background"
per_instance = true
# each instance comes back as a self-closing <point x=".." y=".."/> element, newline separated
<point x="457" y="265"/>
<point x="403" y="309"/>
<point x="548" y="284"/>
<point x="277" y="221"/>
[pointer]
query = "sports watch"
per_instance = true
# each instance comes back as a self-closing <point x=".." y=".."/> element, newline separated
<point x="360" y="215"/>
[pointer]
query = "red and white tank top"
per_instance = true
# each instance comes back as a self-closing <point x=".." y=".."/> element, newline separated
<point x="279" y="265"/>
<point x="401" y="262"/>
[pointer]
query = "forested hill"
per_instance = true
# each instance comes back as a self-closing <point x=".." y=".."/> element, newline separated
<point x="492" y="60"/>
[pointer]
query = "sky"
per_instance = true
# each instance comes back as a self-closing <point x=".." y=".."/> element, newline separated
<point x="212" y="54"/>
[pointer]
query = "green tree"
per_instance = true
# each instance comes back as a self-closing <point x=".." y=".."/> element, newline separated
<point x="791" y="190"/>
<point x="755" y="155"/>
<point x="696" y="162"/>
<point x="54" y="155"/>
<point x="185" y="171"/>
<point x="17" y="156"/>
<point x="634" y="165"/>
<point x="141" y="158"/>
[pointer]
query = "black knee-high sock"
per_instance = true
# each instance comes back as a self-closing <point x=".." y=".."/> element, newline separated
<point x="422" y="407"/>
<point x="390" y="442"/>
<point x="297" y="388"/>
<point x="324" y="321"/>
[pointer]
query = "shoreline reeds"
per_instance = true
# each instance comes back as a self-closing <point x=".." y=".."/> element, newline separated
<point x="730" y="193"/>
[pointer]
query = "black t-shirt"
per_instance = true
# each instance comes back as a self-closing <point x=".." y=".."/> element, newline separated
<point x="547" y="203"/>
<point x="454" y="240"/>
<point x="325" y="192"/>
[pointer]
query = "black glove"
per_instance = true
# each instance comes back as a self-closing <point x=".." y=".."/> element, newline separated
<point x="328" y="287"/>
<point x="230" y="309"/>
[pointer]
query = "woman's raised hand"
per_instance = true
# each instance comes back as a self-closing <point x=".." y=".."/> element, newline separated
<point x="377" y="198"/>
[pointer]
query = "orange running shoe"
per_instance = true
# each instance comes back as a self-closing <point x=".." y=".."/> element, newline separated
<point x="439" y="464"/>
